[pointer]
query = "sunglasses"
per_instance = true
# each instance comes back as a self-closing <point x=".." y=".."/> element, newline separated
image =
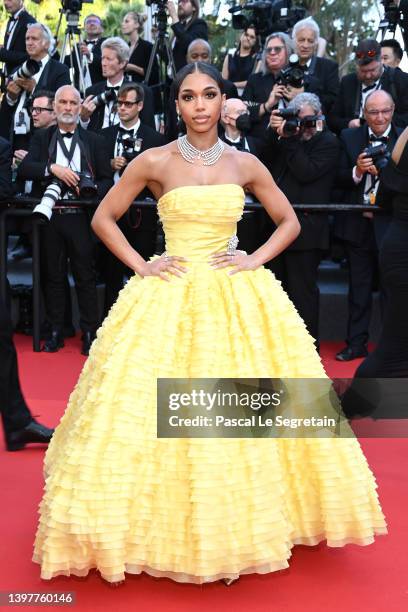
<point x="370" y="53"/>
<point x="126" y="103"/>
<point x="35" y="110"/>
<point x="270" y="50"/>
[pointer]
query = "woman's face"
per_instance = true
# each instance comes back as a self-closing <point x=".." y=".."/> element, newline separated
<point x="129" y="24"/>
<point x="276" y="56"/>
<point x="305" y="43"/>
<point x="199" y="102"/>
<point x="248" y="39"/>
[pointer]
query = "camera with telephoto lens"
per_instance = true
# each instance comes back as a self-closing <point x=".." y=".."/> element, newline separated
<point x="379" y="154"/>
<point x="104" y="98"/>
<point x="54" y="192"/>
<point x="27" y="70"/>
<point x="130" y="146"/>
<point x="293" y="74"/>
<point x="86" y="186"/>
<point x="293" y="122"/>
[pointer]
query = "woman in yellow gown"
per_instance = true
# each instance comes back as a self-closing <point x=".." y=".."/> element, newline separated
<point x="121" y="500"/>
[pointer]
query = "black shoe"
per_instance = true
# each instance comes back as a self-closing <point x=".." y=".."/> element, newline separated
<point x="33" y="432"/>
<point x="22" y="250"/>
<point x="87" y="339"/>
<point x="351" y="352"/>
<point x="54" y="343"/>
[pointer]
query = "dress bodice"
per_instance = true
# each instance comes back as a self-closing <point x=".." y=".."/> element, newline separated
<point x="199" y="220"/>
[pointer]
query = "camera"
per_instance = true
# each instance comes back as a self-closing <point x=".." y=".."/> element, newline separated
<point x="130" y="146"/>
<point x="160" y="15"/>
<point x="74" y="6"/>
<point x="104" y="98"/>
<point x="52" y="194"/>
<point x="86" y="186"/>
<point x="293" y="122"/>
<point x="27" y="70"/>
<point x="243" y="122"/>
<point x="293" y="74"/>
<point x="379" y="154"/>
<point x="266" y="16"/>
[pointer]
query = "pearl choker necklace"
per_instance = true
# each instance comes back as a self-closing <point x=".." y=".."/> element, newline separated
<point x="191" y="154"/>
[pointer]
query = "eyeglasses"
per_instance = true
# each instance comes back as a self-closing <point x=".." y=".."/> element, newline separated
<point x="375" y="113"/>
<point x="35" y="110"/>
<point x="270" y="50"/>
<point x="370" y="53"/>
<point x="126" y="103"/>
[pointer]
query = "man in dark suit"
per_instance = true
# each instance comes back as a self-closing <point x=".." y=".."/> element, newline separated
<point x="62" y="152"/>
<point x="303" y="162"/>
<point x="370" y="75"/>
<point x="124" y="142"/>
<point x="95" y="117"/>
<point x="90" y="52"/>
<point x="13" y="51"/>
<point x="187" y="26"/>
<point x="14" y="117"/>
<point x="6" y="188"/>
<point x="362" y="232"/>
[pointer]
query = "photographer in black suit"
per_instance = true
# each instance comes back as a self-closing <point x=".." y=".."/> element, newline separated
<point x="362" y="232"/>
<point x="96" y="115"/>
<point x="90" y="52"/>
<point x="124" y="142"/>
<point x="14" y="117"/>
<point x="13" y="51"/>
<point x="370" y="75"/>
<point x="187" y="26"/>
<point x="63" y="159"/>
<point x="303" y="161"/>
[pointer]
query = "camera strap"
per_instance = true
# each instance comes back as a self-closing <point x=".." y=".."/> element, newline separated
<point x="69" y="154"/>
<point x="57" y="137"/>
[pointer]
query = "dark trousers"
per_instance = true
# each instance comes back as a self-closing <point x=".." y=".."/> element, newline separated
<point x="140" y="230"/>
<point x="297" y="271"/>
<point x="69" y="236"/>
<point x="14" y="411"/>
<point x="362" y="258"/>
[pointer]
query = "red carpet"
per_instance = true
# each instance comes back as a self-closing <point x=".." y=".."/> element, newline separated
<point x="366" y="579"/>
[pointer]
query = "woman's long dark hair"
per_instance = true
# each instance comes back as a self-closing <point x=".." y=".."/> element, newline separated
<point x="201" y="67"/>
<point x="257" y="46"/>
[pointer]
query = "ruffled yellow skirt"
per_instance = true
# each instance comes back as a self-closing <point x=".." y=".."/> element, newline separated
<point x="196" y="510"/>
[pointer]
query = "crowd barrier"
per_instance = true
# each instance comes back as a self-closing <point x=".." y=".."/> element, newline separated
<point x="23" y="206"/>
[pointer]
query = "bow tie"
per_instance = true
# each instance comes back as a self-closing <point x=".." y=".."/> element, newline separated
<point x="369" y="88"/>
<point x="123" y="130"/>
<point x="90" y="42"/>
<point x="374" y="138"/>
<point x="67" y="134"/>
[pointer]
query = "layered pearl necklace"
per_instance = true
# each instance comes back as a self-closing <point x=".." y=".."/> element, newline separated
<point x="191" y="154"/>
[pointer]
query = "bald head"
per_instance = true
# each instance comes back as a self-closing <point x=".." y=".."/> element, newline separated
<point x="67" y="105"/>
<point x="380" y="96"/>
<point x="378" y="111"/>
<point x="199" y="51"/>
<point x="233" y="107"/>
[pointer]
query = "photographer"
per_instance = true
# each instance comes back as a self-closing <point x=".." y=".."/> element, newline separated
<point x="39" y="72"/>
<point x="98" y="110"/>
<point x="124" y="142"/>
<point x="276" y="84"/>
<point x="187" y="26"/>
<point x="305" y="35"/>
<point x="13" y="51"/>
<point x="362" y="232"/>
<point x="391" y="52"/>
<point x="303" y="158"/>
<point x="370" y="75"/>
<point x="90" y="52"/>
<point x="66" y="162"/>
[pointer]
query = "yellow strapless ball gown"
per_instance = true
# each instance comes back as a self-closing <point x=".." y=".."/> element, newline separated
<point x="120" y="500"/>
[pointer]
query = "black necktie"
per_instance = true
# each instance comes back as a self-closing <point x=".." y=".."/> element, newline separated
<point x="374" y="138"/>
<point x="67" y="134"/>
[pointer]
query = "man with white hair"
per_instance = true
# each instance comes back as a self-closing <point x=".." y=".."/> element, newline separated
<point x="61" y="155"/>
<point x="98" y="113"/>
<point x="51" y="74"/>
<point x="13" y="51"/>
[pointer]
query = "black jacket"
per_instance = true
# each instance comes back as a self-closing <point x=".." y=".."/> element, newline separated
<point x="5" y="169"/>
<point x="96" y="120"/>
<point x="305" y="172"/>
<point x="95" y="68"/>
<point x="326" y="73"/>
<point x="53" y="76"/>
<point x="16" y="54"/>
<point x="347" y="104"/>
<point x="351" y="226"/>
<point x="34" y="165"/>
<point x="185" y="34"/>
